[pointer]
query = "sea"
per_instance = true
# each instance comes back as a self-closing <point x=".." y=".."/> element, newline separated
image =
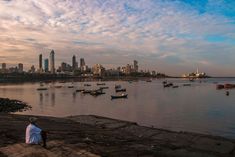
<point x="198" y="107"/>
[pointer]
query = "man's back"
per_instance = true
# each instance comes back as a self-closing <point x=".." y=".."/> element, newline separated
<point x="33" y="134"/>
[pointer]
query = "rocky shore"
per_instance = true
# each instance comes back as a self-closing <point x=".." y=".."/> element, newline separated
<point x="92" y="136"/>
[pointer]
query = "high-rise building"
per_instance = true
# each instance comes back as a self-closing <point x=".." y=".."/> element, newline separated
<point x="20" y="67"/>
<point x="4" y="66"/>
<point x="74" y="63"/>
<point x="82" y="62"/>
<point x="32" y="69"/>
<point x="40" y="63"/>
<point x="52" y="61"/>
<point x="135" y="66"/>
<point x="98" y="70"/>
<point x="46" y="65"/>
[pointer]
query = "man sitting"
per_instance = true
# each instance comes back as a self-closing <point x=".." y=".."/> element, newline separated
<point x="35" y="135"/>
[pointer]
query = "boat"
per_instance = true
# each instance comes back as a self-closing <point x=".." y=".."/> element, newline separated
<point x="219" y="86"/>
<point x="167" y="85"/>
<point x="86" y="91"/>
<point x="119" y="96"/>
<point x="100" y="84"/>
<point x="87" y="84"/>
<point x="104" y="87"/>
<point x="80" y="90"/>
<point x="42" y="88"/>
<point x="186" y="84"/>
<point x="97" y="92"/>
<point x="148" y="80"/>
<point x="70" y="86"/>
<point x="118" y="86"/>
<point x="121" y="90"/>
<point x="164" y="82"/>
<point x="175" y="86"/>
<point x="58" y="86"/>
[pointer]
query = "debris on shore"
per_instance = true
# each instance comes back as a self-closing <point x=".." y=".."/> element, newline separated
<point x="11" y="105"/>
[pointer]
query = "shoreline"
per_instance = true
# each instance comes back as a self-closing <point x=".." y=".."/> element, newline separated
<point x="100" y="136"/>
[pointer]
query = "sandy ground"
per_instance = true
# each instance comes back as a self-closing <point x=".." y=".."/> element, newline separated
<point x="91" y="136"/>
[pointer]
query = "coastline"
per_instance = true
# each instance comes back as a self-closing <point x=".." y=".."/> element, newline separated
<point x="90" y="135"/>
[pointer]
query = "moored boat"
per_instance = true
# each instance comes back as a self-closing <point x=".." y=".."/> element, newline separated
<point x="100" y="84"/>
<point x="119" y="96"/>
<point x="121" y="90"/>
<point x="42" y="88"/>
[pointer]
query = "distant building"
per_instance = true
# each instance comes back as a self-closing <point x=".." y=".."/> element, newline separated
<point x="82" y="62"/>
<point x="4" y="66"/>
<point x="52" y="62"/>
<point x="98" y="70"/>
<point x="46" y="65"/>
<point x="196" y="74"/>
<point x="135" y="67"/>
<point x="20" y="68"/>
<point x="66" y="67"/>
<point x="40" y="63"/>
<point x="32" y="69"/>
<point x="74" y="63"/>
<point x="127" y="69"/>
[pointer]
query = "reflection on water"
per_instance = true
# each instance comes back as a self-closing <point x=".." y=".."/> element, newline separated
<point x="199" y="107"/>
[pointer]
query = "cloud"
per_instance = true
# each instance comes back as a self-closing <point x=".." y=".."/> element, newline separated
<point x="182" y="31"/>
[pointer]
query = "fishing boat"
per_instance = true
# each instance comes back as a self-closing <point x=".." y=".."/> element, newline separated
<point x="100" y="84"/>
<point x="175" y="86"/>
<point x="121" y="90"/>
<point x="80" y="90"/>
<point x="117" y="86"/>
<point x="87" y="84"/>
<point x="148" y="80"/>
<point x="167" y="85"/>
<point x="186" y="84"/>
<point x="97" y="92"/>
<point x="119" y="96"/>
<point x="42" y="88"/>
<point x="104" y="87"/>
<point x="70" y="86"/>
<point x="86" y="91"/>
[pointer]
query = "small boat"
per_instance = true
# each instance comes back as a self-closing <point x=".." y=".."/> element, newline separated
<point x="58" y="86"/>
<point x="70" y="86"/>
<point x="80" y="90"/>
<point x="148" y="80"/>
<point x="86" y="91"/>
<point x="119" y="96"/>
<point x="121" y="90"/>
<point x="229" y="86"/>
<point x="100" y="84"/>
<point x="42" y="88"/>
<point x="104" y="87"/>
<point x="164" y="82"/>
<point x="175" y="86"/>
<point x="219" y="86"/>
<point x="168" y="85"/>
<point x="97" y="92"/>
<point x="227" y="93"/>
<point x="87" y="84"/>
<point x="118" y="86"/>
<point x="186" y="84"/>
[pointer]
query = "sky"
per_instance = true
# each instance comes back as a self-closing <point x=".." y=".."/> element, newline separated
<point x="169" y="36"/>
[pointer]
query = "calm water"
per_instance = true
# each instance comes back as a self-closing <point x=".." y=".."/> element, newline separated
<point x="198" y="108"/>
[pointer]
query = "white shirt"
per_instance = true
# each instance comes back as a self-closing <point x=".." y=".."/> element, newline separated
<point x="33" y="134"/>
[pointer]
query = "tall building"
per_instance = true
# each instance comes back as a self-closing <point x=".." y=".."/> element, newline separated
<point x="98" y="70"/>
<point x="52" y="61"/>
<point x="20" y="67"/>
<point x="82" y="62"/>
<point x="4" y="66"/>
<point x="40" y="62"/>
<point x="135" y="66"/>
<point x="46" y="65"/>
<point x="74" y="63"/>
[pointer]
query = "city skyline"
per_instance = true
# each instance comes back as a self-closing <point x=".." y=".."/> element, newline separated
<point x="173" y="37"/>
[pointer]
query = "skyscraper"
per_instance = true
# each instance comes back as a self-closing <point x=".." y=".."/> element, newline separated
<point x="40" y="62"/>
<point x="52" y="61"/>
<point x="82" y="62"/>
<point x="74" y="63"/>
<point x="46" y="65"/>
<point x="135" y="66"/>
<point x="20" y="67"/>
<point x="4" y="66"/>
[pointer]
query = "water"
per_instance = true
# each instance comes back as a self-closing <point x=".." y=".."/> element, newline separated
<point x="198" y="108"/>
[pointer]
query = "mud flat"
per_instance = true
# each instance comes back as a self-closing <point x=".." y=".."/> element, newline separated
<point x="91" y="136"/>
